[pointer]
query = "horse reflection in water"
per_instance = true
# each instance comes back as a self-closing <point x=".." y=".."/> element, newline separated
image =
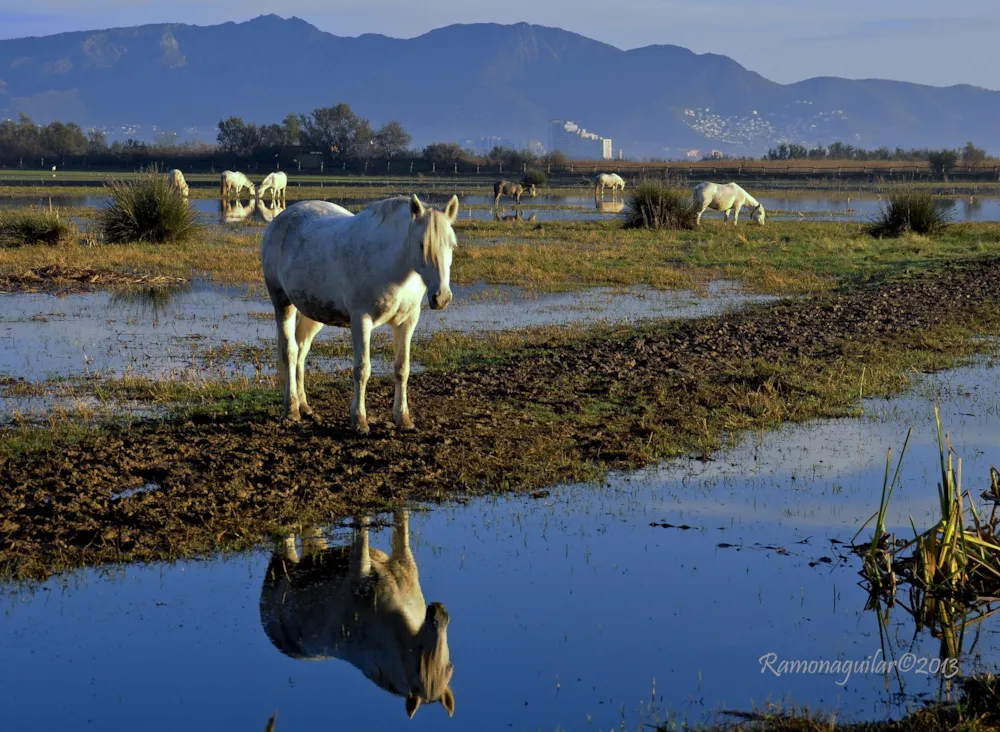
<point x="359" y="605"/>
<point x="234" y="212"/>
<point x="500" y="214"/>
<point x="609" y="207"/>
<point x="267" y="211"/>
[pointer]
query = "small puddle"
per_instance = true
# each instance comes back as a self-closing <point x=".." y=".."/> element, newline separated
<point x="651" y="598"/>
<point x="147" y="488"/>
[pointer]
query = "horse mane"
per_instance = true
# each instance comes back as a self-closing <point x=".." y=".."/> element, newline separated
<point x="382" y="210"/>
<point x="396" y="206"/>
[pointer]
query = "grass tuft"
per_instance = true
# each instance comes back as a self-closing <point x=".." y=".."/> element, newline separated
<point x="654" y="205"/>
<point x="911" y="212"/>
<point x="29" y="227"/>
<point x="147" y="210"/>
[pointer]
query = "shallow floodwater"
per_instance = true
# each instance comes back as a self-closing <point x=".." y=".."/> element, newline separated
<point x="567" y="610"/>
<point x="157" y="332"/>
<point x="572" y="207"/>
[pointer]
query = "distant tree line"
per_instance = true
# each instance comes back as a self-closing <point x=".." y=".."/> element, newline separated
<point x="25" y="142"/>
<point x="940" y="160"/>
<point x="337" y="131"/>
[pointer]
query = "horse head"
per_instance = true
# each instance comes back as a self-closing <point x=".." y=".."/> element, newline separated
<point x="430" y="669"/>
<point x="432" y="236"/>
<point x="758" y="214"/>
<point x="532" y="190"/>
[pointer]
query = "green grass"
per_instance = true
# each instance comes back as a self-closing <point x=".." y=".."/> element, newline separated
<point x="27" y="227"/>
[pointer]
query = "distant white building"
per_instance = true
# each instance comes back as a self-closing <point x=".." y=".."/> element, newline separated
<point x="576" y="142"/>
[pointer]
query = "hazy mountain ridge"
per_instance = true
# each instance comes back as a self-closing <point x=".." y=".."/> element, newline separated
<point x="467" y="81"/>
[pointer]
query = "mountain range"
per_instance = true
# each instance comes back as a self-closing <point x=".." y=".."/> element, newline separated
<point x="469" y="81"/>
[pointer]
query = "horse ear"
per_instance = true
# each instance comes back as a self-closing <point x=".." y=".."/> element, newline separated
<point x="448" y="702"/>
<point x="451" y="210"/>
<point x="416" y="208"/>
<point x="412" y="701"/>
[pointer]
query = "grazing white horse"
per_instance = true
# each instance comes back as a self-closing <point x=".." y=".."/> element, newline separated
<point x="728" y="198"/>
<point x="361" y="606"/>
<point x="334" y="268"/>
<point x="608" y="180"/>
<point x="177" y="182"/>
<point x="233" y="183"/>
<point x="275" y="182"/>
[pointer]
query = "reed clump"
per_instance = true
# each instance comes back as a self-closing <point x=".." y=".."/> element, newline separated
<point x="911" y="212"/>
<point x="146" y="210"/>
<point x="958" y="558"/>
<point x="31" y="227"/>
<point x="651" y="204"/>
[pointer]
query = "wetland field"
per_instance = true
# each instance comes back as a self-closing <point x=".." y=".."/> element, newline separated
<point x="643" y="466"/>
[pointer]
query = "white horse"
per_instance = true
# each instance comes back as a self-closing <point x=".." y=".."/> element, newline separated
<point x="275" y="182"/>
<point x="334" y="268"/>
<point x="267" y="211"/>
<point x="608" y="180"/>
<point x="361" y="606"/>
<point x="177" y="182"/>
<point x="728" y="198"/>
<point x="233" y="183"/>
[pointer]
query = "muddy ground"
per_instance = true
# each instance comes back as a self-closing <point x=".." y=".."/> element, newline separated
<point x="552" y="412"/>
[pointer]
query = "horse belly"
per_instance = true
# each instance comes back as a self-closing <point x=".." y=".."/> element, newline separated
<point x="322" y="311"/>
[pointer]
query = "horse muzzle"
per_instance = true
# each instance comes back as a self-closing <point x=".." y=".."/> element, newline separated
<point x="439" y="300"/>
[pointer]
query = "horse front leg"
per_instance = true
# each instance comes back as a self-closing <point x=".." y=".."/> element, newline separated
<point x="360" y="561"/>
<point x="736" y="214"/>
<point x="288" y="353"/>
<point x="402" y="335"/>
<point x="401" y="553"/>
<point x="361" y="332"/>
<point x="305" y="330"/>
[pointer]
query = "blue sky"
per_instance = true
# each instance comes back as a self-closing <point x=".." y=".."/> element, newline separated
<point x="925" y="41"/>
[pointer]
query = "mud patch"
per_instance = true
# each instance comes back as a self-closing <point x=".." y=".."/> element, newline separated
<point x="549" y="412"/>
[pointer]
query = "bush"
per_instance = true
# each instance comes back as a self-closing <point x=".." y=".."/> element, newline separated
<point x="653" y="205"/>
<point x="146" y="210"/>
<point x="28" y="227"/>
<point x="911" y="211"/>
<point x="535" y="177"/>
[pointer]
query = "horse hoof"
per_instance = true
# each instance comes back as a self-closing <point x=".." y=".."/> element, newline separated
<point x="406" y="426"/>
<point x="360" y="426"/>
<point x="290" y="419"/>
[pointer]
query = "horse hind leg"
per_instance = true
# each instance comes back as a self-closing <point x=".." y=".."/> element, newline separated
<point x="305" y="330"/>
<point x="361" y="332"/>
<point x="284" y="315"/>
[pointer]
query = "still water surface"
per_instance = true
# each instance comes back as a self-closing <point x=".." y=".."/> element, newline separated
<point x="566" y="609"/>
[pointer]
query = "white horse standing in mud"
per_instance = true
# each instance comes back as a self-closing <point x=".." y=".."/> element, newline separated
<point x="729" y="199"/>
<point x="232" y="183"/>
<point x="333" y="268"/>
<point x="609" y="180"/>
<point x="176" y="180"/>
<point x="361" y="606"/>
<point x="275" y="182"/>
